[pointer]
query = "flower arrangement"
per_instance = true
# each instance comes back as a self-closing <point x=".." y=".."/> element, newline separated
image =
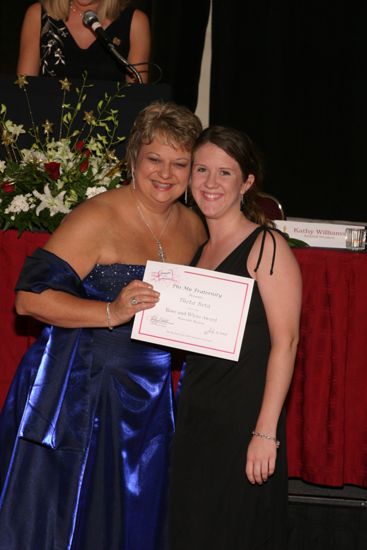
<point x="41" y="184"/>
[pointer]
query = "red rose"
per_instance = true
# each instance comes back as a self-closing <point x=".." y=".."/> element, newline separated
<point x="79" y="146"/>
<point x="7" y="187"/>
<point x="83" y="166"/>
<point x="53" y="170"/>
<point x="85" y="154"/>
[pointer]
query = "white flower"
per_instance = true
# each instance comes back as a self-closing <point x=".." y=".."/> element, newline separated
<point x="20" y="203"/>
<point x="59" y="151"/>
<point x="95" y="165"/>
<point x="93" y="191"/>
<point x="14" y="129"/>
<point x="31" y="201"/>
<point x="31" y="156"/>
<point x="55" y="205"/>
<point x="106" y="180"/>
<point x="2" y="166"/>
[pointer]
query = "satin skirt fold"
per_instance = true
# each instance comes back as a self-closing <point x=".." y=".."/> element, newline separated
<point x="108" y="491"/>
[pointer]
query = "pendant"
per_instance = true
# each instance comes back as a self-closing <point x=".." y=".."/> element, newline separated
<point x="160" y="251"/>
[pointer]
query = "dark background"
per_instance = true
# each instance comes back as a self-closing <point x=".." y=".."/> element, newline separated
<point x="293" y="75"/>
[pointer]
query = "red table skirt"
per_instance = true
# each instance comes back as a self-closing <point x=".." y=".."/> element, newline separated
<point x="16" y="333"/>
<point x="327" y="402"/>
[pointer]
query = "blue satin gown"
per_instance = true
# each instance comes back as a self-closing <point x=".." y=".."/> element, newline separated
<point x="86" y="429"/>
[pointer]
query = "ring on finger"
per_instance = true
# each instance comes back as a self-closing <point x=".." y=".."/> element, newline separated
<point x="133" y="301"/>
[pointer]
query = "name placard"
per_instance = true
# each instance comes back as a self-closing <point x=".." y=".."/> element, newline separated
<point x="316" y="233"/>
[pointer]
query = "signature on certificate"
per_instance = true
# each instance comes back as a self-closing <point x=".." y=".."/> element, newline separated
<point x="160" y="321"/>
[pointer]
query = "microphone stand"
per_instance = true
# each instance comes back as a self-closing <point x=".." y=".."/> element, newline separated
<point x="91" y="21"/>
<point x="130" y="68"/>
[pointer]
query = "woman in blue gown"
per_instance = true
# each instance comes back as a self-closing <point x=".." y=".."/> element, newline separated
<point x="87" y="425"/>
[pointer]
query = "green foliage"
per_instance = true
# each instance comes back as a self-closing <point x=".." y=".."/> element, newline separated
<point x="42" y="184"/>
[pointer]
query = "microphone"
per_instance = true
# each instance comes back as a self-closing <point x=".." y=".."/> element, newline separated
<point x="90" y="19"/>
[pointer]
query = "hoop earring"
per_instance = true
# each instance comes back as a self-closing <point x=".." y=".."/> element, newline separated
<point x="133" y="180"/>
<point x="186" y="195"/>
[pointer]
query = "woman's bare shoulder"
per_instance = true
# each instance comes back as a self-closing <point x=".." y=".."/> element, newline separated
<point x="273" y="250"/>
<point x="33" y="13"/>
<point x="32" y="21"/>
<point x="140" y="18"/>
<point x="82" y="236"/>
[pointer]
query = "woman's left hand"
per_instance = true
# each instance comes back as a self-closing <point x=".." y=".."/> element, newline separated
<point x="134" y="297"/>
<point x="261" y="458"/>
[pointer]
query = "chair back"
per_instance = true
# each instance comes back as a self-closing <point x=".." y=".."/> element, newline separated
<point x="271" y="206"/>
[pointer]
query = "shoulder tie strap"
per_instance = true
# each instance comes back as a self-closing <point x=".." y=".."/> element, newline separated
<point x="266" y="230"/>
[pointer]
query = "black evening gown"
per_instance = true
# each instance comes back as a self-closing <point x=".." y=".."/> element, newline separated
<point x="86" y="429"/>
<point x="62" y="57"/>
<point x="213" y="506"/>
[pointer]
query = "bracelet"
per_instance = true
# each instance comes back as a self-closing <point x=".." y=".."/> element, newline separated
<point x="108" y="315"/>
<point x="267" y="436"/>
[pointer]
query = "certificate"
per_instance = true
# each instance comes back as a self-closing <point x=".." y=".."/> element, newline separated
<point x="199" y="310"/>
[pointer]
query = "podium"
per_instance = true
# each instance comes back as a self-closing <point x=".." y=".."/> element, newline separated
<point x="46" y="97"/>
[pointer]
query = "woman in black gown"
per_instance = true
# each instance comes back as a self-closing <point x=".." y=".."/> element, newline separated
<point x="55" y="42"/>
<point x="86" y="428"/>
<point x="229" y="472"/>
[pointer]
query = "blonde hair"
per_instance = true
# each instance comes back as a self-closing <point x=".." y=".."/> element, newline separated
<point x="109" y="9"/>
<point x="175" y="123"/>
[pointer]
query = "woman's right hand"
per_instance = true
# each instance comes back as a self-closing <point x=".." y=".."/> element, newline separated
<point x="136" y="296"/>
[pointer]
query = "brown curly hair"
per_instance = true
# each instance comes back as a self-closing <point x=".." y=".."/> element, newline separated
<point x="175" y="123"/>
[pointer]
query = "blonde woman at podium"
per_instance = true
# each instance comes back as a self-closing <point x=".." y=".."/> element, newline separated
<point x="105" y="38"/>
<point x="86" y="429"/>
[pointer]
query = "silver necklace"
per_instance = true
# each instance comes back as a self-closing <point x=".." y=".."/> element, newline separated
<point x="74" y="10"/>
<point x="161" y="253"/>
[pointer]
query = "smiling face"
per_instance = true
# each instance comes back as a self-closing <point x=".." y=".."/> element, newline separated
<point x="161" y="171"/>
<point x="217" y="182"/>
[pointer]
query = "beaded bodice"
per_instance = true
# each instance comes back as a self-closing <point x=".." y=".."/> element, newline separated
<point x="104" y="282"/>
